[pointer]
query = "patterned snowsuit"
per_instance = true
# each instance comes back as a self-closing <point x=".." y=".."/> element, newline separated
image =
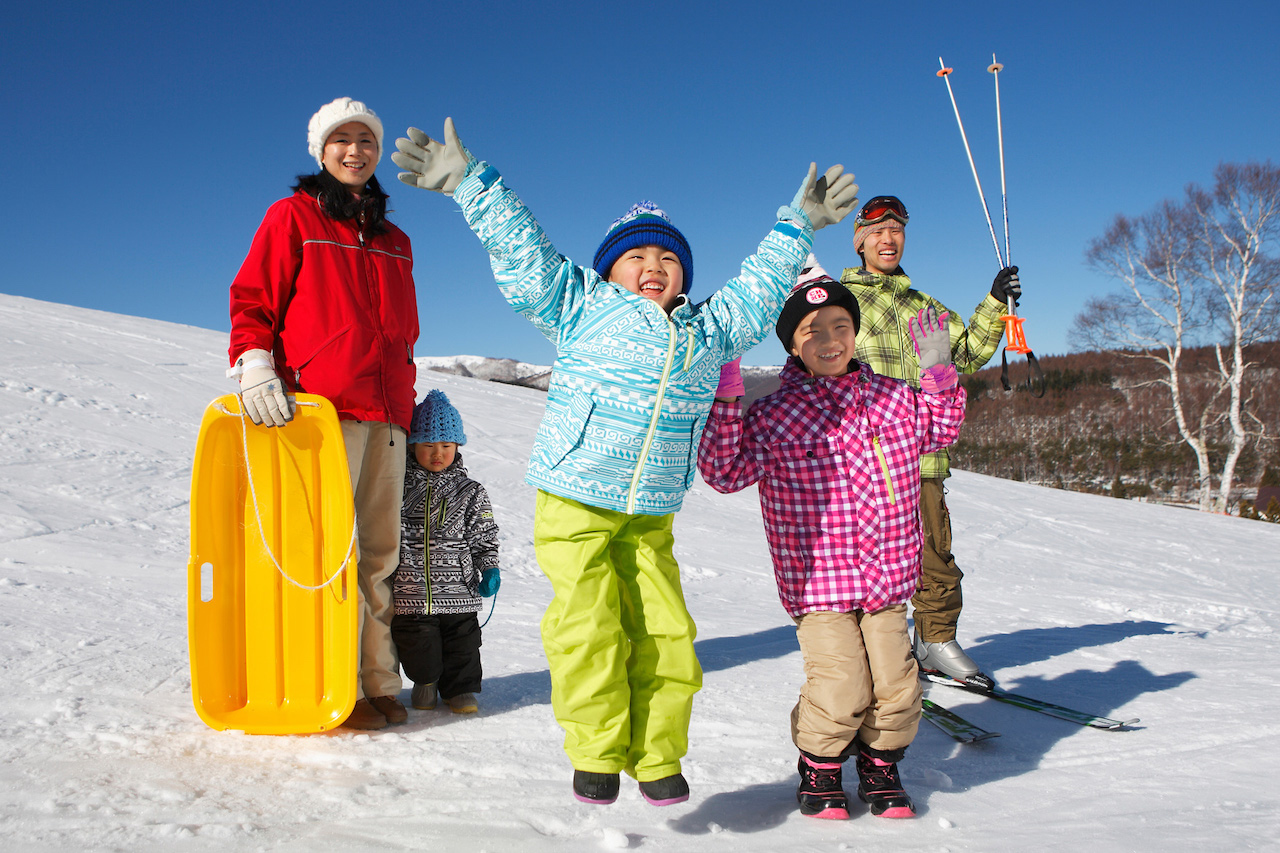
<point x="448" y="537"/>
<point x="613" y="458"/>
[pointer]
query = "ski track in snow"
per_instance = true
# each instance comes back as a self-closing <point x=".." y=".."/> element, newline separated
<point x="1114" y="607"/>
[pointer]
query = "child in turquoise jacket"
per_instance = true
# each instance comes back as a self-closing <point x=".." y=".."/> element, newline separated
<point x="636" y="371"/>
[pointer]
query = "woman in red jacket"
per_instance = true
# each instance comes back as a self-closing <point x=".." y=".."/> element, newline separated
<point x="325" y="304"/>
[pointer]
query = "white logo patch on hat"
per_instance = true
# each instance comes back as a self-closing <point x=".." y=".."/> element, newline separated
<point x="816" y="295"/>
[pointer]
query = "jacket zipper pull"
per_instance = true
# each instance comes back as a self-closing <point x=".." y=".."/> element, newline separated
<point x="884" y="468"/>
<point x="426" y="546"/>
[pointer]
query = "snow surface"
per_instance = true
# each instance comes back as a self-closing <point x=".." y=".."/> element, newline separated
<point x="493" y="369"/>
<point x="1125" y="609"/>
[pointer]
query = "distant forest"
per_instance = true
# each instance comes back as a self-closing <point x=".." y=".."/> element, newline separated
<point x="1104" y="425"/>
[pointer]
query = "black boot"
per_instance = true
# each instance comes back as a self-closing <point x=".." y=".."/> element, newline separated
<point x="821" y="792"/>
<point x="879" y="785"/>
<point x="666" y="791"/>
<point x="599" y="789"/>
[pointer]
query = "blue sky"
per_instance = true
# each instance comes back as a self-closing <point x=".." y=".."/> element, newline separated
<point x="151" y="137"/>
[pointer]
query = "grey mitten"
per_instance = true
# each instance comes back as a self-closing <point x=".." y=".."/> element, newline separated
<point x="828" y="199"/>
<point x="932" y="340"/>
<point x="431" y="165"/>
<point x="930" y="337"/>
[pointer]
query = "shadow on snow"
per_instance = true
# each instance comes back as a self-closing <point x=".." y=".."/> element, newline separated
<point x="508" y="692"/>
<point x="935" y="764"/>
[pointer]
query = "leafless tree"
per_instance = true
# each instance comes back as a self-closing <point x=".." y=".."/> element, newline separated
<point x="1203" y="271"/>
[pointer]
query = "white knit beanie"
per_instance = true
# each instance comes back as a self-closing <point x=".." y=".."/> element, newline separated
<point x="335" y="114"/>
<point x="810" y="270"/>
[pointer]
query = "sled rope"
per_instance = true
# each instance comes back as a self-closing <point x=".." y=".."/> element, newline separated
<point x="253" y="493"/>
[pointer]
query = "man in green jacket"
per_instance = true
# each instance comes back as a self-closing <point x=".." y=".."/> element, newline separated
<point x="887" y="300"/>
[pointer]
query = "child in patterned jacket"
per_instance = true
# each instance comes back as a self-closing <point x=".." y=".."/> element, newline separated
<point x="448" y="562"/>
<point x="836" y="451"/>
<point x="637" y="368"/>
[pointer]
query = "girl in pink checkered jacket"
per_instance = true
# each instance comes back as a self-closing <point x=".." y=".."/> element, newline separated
<point x="836" y="451"/>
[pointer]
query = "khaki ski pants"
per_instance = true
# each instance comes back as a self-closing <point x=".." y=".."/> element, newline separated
<point x="938" y="598"/>
<point x="861" y="682"/>
<point x="376" y="456"/>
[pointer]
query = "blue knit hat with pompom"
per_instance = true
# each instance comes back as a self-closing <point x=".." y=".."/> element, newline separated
<point x="645" y="224"/>
<point x="435" y="419"/>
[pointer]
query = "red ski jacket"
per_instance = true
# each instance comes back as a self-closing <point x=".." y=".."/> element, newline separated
<point x="338" y="310"/>
<point x="838" y="462"/>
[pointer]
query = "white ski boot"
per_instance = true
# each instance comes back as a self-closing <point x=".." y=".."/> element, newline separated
<point x="950" y="660"/>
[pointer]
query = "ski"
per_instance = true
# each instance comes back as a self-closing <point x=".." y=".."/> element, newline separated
<point x="954" y="725"/>
<point x="1038" y="705"/>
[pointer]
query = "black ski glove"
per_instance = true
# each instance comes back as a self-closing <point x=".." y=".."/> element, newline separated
<point x="1007" y="286"/>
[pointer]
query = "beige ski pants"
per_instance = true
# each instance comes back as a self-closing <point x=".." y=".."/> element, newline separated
<point x="861" y="682"/>
<point x="376" y="455"/>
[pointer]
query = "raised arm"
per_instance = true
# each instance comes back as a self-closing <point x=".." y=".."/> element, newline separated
<point x="536" y="280"/>
<point x="747" y="307"/>
<point x="972" y="346"/>
<point x="727" y="459"/>
<point x="941" y="400"/>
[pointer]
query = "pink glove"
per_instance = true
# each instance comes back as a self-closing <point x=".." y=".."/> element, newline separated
<point x="940" y="377"/>
<point x="929" y="335"/>
<point x="731" y="380"/>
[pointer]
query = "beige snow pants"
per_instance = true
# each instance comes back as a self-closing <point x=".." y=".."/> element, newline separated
<point x="376" y="456"/>
<point x="861" y="682"/>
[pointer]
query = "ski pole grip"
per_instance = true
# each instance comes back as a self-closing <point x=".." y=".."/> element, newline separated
<point x="1017" y="339"/>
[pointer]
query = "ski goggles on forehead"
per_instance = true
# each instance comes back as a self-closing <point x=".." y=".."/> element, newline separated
<point x="881" y="208"/>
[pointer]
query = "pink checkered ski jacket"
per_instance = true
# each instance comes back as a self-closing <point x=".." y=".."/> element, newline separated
<point x="838" y="463"/>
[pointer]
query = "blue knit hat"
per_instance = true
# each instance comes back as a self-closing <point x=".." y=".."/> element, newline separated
<point x="645" y="224"/>
<point x="435" y="419"/>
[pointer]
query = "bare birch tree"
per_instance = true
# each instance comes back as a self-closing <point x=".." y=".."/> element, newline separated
<point x="1201" y="272"/>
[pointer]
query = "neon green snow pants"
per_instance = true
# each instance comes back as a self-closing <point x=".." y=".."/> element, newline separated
<point x="618" y="638"/>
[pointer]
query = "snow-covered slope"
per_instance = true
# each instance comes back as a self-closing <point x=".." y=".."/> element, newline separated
<point x="1120" y="608"/>
<point x="506" y="370"/>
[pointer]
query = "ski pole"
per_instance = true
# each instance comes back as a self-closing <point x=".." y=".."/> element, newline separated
<point x="945" y="75"/>
<point x="1012" y="322"/>
<point x="995" y="68"/>
<point x="1014" y="333"/>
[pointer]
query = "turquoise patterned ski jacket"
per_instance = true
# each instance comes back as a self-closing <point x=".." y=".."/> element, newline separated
<point x="631" y="386"/>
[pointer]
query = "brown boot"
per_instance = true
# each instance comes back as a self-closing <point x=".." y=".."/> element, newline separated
<point x="390" y="707"/>
<point x="365" y="717"/>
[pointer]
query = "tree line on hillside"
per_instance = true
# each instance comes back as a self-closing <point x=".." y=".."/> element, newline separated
<point x="1104" y="425"/>
<point x="1199" y="272"/>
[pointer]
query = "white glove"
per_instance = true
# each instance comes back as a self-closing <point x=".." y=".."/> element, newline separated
<point x="828" y="199"/>
<point x="432" y="165"/>
<point x="262" y="394"/>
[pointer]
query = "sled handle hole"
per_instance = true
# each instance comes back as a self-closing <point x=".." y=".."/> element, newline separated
<point x="206" y="581"/>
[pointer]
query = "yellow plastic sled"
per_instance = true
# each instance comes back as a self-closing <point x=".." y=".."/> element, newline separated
<point x="272" y="605"/>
